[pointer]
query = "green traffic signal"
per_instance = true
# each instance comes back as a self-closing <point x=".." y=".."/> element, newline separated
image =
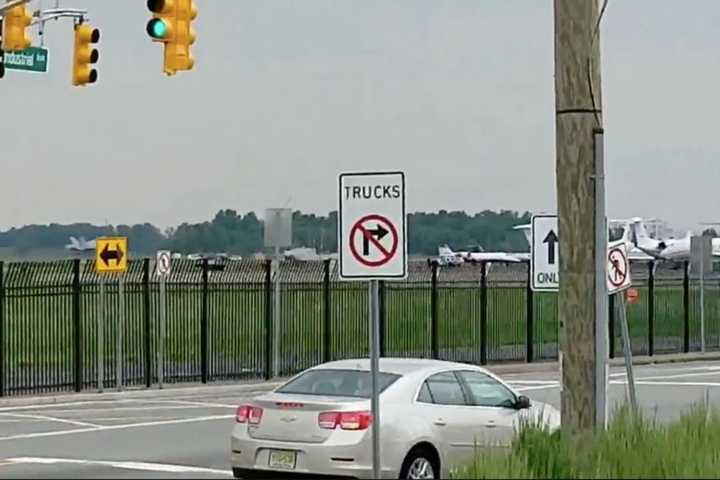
<point x="157" y="28"/>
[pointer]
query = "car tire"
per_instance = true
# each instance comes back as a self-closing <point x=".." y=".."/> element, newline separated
<point x="420" y="463"/>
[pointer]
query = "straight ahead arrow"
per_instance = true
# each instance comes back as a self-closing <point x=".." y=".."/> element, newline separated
<point x="551" y="239"/>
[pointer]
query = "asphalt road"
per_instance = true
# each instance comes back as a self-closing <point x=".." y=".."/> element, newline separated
<point x="187" y="436"/>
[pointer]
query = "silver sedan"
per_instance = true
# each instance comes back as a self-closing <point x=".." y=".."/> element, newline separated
<point x="433" y="415"/>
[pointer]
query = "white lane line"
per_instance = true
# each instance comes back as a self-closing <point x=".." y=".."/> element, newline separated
<point x="538" y="387"/>
<point x="676" y="384"/>
<point x="144" y="466"/>
<point x="199" y="404"/>
<point x="50" y="419"/>
<point x="47" y="406"/>
<point x="533" y="382"/>
<point x="679" y="375"/>
<point x="114" y="427"/>
<point x="128" y="409"/>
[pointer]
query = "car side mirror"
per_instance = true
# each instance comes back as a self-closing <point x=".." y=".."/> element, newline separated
<point x="522" y="402"/>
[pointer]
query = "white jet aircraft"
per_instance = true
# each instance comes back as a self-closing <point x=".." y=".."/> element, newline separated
<point x="80" y="245"/>
<point x="446" y="253"/>
<point x="673" y="249"/>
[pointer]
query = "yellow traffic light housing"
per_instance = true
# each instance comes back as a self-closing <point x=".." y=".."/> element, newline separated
<point x="14" y="36"/>
<point x="84" y="55"/>
<point x="171" y="25"/>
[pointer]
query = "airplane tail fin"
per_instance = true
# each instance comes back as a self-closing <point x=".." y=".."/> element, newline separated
<point x="444" y="250"/>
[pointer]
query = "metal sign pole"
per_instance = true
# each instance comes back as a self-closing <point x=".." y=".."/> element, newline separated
<point x="119" y="336"/>
<point x="702" y="295"/>
<point x="627" y="348"/>
<point x="276" y="313"/>
<point x="161" y="335"/>
<point x="374" y="367"/>
<point x="601" y="288"/>
<point x="101" y="338"/>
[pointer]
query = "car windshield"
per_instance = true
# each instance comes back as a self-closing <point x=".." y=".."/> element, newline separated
<point x="337" y="383"/>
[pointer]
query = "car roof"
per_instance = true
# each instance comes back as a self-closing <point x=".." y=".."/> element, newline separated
<point x="400" y="366"/>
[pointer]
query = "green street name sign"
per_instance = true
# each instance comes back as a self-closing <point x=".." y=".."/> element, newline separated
<point x="33" y="59"/>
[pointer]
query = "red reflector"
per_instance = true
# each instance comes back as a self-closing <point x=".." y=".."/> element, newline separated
<point x="346" y="420"/>
<point x="249" y="414"/>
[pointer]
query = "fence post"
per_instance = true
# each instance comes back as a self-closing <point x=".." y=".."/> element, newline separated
<point x="268" y="320"/>
<point x="651" y="309"/>
<point x="77" y="327"/>
<point x="383" y="314"/>
<point x="327" y="320"/>
<point x="686" y="308"/>
<point x="530" y="317"/>
<point x="483" y="313"/>
<point x="2" y="329"/>
<point x="204" y="323"/>
<point x="611" y="325"/>
<point x="146" y="321"/>
<point x="434" y="313"/>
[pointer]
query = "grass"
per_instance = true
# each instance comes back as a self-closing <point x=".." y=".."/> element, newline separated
<point x="631" y="447"/>
<point x="39" y="330"/>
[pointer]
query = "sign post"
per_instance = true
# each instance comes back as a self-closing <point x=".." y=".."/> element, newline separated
<point x="162" y="269"/>
<point x="278" y="234"/>
<point x="700" y="261"/>
<point x="111" y="256"/>
<point x="373" y="246"/>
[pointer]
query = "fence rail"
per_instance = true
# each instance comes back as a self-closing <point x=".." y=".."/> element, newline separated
<point x="64" y="328"/>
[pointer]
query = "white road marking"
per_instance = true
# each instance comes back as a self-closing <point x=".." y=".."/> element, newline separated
<point x="538" y="387"/>
<point x="130" y="409"/>
<point x="114" y="427"/>
<point x="66" y="404"/>
<point x="50" y="419"/>
<point x="677" y="384"/>
<point x="679" y="375"/>
<point x="532" y="382"/>
<point x="199" y="404"/>
<point x="144" y="466"/>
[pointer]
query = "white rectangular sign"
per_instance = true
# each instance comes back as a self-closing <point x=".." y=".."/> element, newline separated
<point x="618" y="268"/>
<point x="371" y="228"/>
<point x="545" y="253"/>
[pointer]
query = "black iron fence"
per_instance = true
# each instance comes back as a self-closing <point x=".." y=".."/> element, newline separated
<point x="63" y="328"/>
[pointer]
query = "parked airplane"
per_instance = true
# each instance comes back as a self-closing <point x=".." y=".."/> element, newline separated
<point x="673" y="249"/>
<point x="80" y="245"/>
<point x="446" y="256"/>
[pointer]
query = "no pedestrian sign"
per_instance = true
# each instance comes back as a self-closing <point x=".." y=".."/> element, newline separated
<point x="371" y="229"/>
<point x="618" y="268"/>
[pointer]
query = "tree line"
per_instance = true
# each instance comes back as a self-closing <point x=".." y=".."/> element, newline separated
<point x="242" y="234"/>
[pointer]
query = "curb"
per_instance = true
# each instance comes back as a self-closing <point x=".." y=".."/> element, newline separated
<point x="141" y="393"/>
<point x="553" y="366"/>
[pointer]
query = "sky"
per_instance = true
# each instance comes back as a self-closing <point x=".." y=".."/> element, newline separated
<point x="287" y="94"/>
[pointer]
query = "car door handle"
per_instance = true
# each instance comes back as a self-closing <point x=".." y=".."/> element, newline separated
<point x="440" y="422"/>
<point x="490" y="425"/>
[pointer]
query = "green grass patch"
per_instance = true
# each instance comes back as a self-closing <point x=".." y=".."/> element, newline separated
<point x="631" y="447"/>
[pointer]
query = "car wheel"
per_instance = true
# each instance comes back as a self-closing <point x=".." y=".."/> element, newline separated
<point x="419" y="465"/>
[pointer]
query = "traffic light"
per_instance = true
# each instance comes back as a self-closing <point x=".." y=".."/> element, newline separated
<point x="172" y="25"/>
<point x="84" y="55"/>
<point x="16" y="21"/>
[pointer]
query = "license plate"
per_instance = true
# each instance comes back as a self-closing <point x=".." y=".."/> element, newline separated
<point x="282" y="459"/>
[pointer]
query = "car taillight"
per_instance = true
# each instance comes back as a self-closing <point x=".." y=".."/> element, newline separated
<point x="346" y="420"/>
<point x="249" y="414"/>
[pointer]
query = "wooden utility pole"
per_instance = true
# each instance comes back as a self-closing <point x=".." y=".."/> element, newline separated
<point x="578" y="123"/>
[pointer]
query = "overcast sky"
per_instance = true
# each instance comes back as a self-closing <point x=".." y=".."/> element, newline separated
<point x="287" y="94"/>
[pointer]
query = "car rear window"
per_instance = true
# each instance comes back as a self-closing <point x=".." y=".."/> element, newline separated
<point x="337" y="383"/>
